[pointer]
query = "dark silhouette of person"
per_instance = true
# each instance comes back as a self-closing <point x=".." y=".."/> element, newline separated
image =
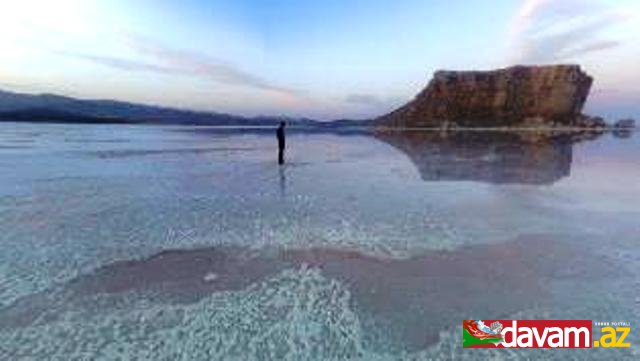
<point x="281" y="142"/>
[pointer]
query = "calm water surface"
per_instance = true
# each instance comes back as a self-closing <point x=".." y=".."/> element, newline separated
<point x="169" y="243"/>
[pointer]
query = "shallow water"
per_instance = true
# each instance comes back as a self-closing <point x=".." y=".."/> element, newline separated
<point x="141" y="242"/>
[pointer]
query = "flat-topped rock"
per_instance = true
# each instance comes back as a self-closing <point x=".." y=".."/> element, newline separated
<point x="515" y="96"/>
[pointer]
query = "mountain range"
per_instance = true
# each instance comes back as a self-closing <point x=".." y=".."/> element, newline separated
<point x="63" y="109"/>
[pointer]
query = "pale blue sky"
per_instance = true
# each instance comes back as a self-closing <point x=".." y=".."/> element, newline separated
<point x="324" y="59"/>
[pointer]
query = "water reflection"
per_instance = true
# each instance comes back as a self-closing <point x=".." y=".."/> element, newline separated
<point x="493" y="157"/>
<point x="622" y="133"/>
<point x="283" y="181"/>
<point x="358" y="258"/>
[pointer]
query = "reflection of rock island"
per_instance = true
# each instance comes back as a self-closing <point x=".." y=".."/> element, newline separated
<point x="494" y="157"/>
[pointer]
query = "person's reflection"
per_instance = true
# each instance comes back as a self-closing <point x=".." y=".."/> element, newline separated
<point x="283" y="181"/>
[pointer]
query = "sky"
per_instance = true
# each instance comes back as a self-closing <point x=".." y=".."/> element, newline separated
<point x="321" y="59"/>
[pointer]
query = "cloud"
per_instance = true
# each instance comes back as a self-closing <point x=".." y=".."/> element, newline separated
<point x="119" y="63"/>
<point x="364" y="99"/>
<point x="525" y="16"/>
<point x="167" y="60"/>
<point x="546" y="31"/>
<point x="366" y="106"/>
<point x="593" y="47"/>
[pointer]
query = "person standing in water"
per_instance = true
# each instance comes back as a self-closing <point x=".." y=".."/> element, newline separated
<point x="281" y="142"/>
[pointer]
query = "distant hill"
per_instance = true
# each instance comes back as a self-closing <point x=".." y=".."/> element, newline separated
<point x="47" y="115"/>
<point x="60" y="109"/>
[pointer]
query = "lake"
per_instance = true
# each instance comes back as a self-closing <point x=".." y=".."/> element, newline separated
<point x="179" y="243"/>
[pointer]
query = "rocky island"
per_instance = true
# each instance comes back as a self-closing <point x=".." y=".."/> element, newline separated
<point x="518" y="96"/>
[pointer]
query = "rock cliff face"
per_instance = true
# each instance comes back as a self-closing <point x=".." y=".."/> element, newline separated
<point x="519" y="95"/>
